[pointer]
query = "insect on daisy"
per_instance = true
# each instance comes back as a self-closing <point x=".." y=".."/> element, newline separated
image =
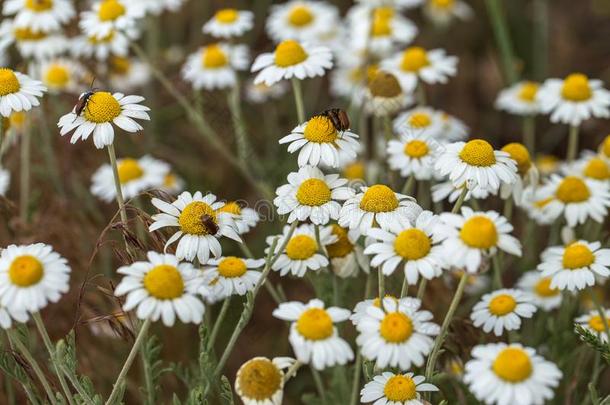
<point x="573" y="267"/>
<point x="31" y="276"/>
<point x="200" y="225"/>
<point x="161" y="288"/>
<point x="539" y="288"/>
<point x="260" y="381"/>
<point x="233" y="275"/>
<point x="301" y="20"/>
<point x="396" y="389"/>
<point x="520" y="99"/>
<point x="229" y="23"/>
<point x="214" y="66"/>
<point x="502" y="310"/>
<point x="594" y="323"/>
<point x="245" y="218"/>
<point x="95" y="113"/>
<point x="313" y="335"/>
<point x="18" y="92"/>
<point x="510" y="374"/>
<point x="346" y="255"/>
<point x="413" y="155"/>
<point x="39" y="15"/>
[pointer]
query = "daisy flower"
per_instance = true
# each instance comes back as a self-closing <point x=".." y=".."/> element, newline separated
<point x="18" y="92"/>
<point x="454" y="129"/>
<point x="233" y="275"/>
<point x="60" y="75"/>
<point x="591" y="166"/>
<point x="413" y="155"/>
<point x="135" y="176"/>
<point x="510" y="374"/>
<point x="260" y="381"/>
<point x="476" y="163"/>
<point x="447" y="190"/>
<point x="473" y="235"/>
<point x="172" y="184"/>
<point x="415" y="64"/>
<point x="396" y="336"/>
<point x="5" y="181"/>
<point x="103" y="109"/>
<point x="574" y="267"/>
<point x="229" y="23"/>
<point x="214" y="66"/>
<point x="31" y="276"/>
<point x="396" y="389"/>
<point x="539" y="288"/>
<point x="520" y="99"/>
<point x="377" y="205"/>
<point x="39" y="15"/>
<point x="311" y="195"/>
<point x="108" y="16"/>
<point x="442" y="12"/>
<point x="302" y="252"/>
<point x="348" y="82"/>
<point x="313" y="335"/>
<point x="594" y="323"/>
<point x="527" y="174"/>
<point x="32" y="44"/>
<point x="547" y="164"/>
<point x="196" y="239"/>
<point x="346" y="255"/>
<point x="114" y="44"/>
<point x="574" y="99"/>
<point x="245" y="218"/>
<point x="301" y="20"/>
<point x="415" y="245"/>
<point x="261" y="93"/>
<point x="361" y="307"/>
<point x="319" y="142"/>
<point x="604" y="148"/>
<point x="419" y="121"/>
<point x="292" y="59"/>
<point x="7" y="315"/>
<point x="384" y="95"/>
<point x="502" y="310"/>
<point x="127" y="73"/>
<point x="161" y="288"/>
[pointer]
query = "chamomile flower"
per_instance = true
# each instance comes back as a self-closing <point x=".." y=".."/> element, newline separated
<point x="5" y="181"/>
<point x="115" y="43"/>
<point x="245" y="218"/>
<point x="520" y="99"/>
<point x="18" y="92"/>
<point x="471" y="236"/>
<point x="302" y="252"/>
<point x="311" y="195"/>
<point x="345" y="254"/>
<point x="476" y="163"/>
<point x="163" y="288"/>
<point x="214" y="66"/>
<point x="127" y="73"/>
<point x="195" y="238"/>
<point x="501" y="374"/>
<point x="539" y="288"/>
<point x="454" y="129"/>
<point x="442" y="12"/>
<point x="527" y="174"/>
<point x="502" y="310"/>
<point x="414" y="244"/>
<point x="419" y="121"/>
<point x="396" y="389"/>
<point x="413" y="155"/>
<point x="416" y="64"/>
<point x="135" y="176"/>
<point x="447" y="190"/>
<point x="318" y="141"/>
<point x="384" y="95"/>
<point x="594" y="323"/>
<point x="32" y="44"/>
<point x="260" y="381"/>
<point x="301" y="20"/>
<point x="313" y="335"/>
<point x="361" y="307"/>
<point x="591" y="166"/>
<point x="398" y="335"/>
<point x="108" y="16"/>
<point x="61" y="75"/>
<point x="39" y="15"/>
<point x="377" y="205"/>
<point x="233" y="275"/>
<point x="8" y="315"/>
<point x="574" y="267"/>
<point x="32" y="276"/>
<point x="349" y="82"/>
<point x="292" y="59"/>
<point x="547" y="164"/>
<point x="261" y="93"/>
<point x="229" y="23"/>
<point x="172" y="184"/>
<point x="103" y="109"/>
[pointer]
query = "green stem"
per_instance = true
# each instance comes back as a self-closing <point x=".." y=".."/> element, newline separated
<point x="319" y="384"/>
<point x="268" y="285"/>
<point x="381" y="285"/>
<point x="298" y="99"/>
<point x="405" y="287"/>
<point x="244" y="149"/>
<point x="24" y="168"/>
<point x="407" y="189"/>
<point x="218" y="323"/>
<point x="77" y="385"/>
<point x="500" y="27"/>
<point x="572" y="143"/>
<point x="292" y="370"/>
<point x="421" y="94"/>
<point x="117" y="184"/>
<point x="497" y="269"/>
<point x="422" y="288"/>
<point x="356" y="380"/>
<point x="508" y="208"/>
<point x="529" y="133"/>
<point x="460" y="200"/>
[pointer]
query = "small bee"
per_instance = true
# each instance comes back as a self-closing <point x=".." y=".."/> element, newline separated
<point x="338" y="117"/>
<point x="81" y="104"/>
<point x="209" y="224"/>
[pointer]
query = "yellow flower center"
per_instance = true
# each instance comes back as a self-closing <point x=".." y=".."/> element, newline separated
<point x="606" y="146"/>
<point x="57" y="76"/>
<point x="313" y="192"/>
<point x="25" y="271"/>
<point x="169" y="180"/>
<point x="414" y="58"/>
<point x="479" y="232"/>
<point x="528" y="91"/>
<point x="343" y="246"/>
<point x="213" y="57"/>
<point x="512" y="365"/>
<point x="577" y="255"/>
<point x="8" y="82"/>
<point x="572" y="190"/>
<point x="412" y="244"/>
<point x="384" y="84"/>
<point x="320" y="129"/>
<point x="232" y="267"/>
<point x="259" y="379"/>
<point x="289" y="53"/>
<point x="379" y="198"/>
<point x="444" y="4"/>
<point x="164" y="282"/>
<point x="416" y="149"/>
<point x="597" y="168"/>
<point x="597" y="324"/>
<point x="420" y="120"/>
<point x="382" y="22"/>
<point x="502" y="304"/>
<point x="300" y="16"/>
<point x="226" y="15"/>
<point x="396" y="327"/>
<point x="315" y="324"/>
<point x="17" y="119"/>
<point x="543" y="288"/>
<point x="478" y="153"/>
<point x="231" y="207"/>
<point x="191" y="218"/>
<point x="120" y="65"/>
<point x="129" y="169"/>
<point x="110" y="10"/>
<point x="400" y="388"/>
<point x="39" y="5"/>
<point x="519" y="154"/>
<point x="301" y="247"/>
<point x="354" y="171"/>
<point x="102" y="107"/>
<point x="576" y="88"/>
<point x="26" y="34"/>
